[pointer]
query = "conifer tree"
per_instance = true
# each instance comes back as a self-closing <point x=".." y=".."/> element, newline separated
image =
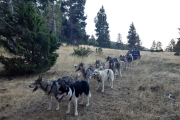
<point x="171" y="46"/>
<point x="27" y="39"/>
<point x="92" y="40"/>
<point x="159" y="46"/>
<point x="74" y="22"/>
<point x="153" y="47"/>
<point x="102" y="32"/>
<point x="132" y="36"/>
<point x="119" y="41"/>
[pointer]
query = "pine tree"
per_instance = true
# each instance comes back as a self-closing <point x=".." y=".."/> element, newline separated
<point x="132" y="36"/>
<point x="53" y="15"/>
<point x="74" y="22"/>
<point x="119" y="41"/>
<point x="153" y="47"/>
<point x="138" y="43"/>
<point x="102" y="32"/>
<point x="27" y="39"/>
<point x="171" y="46"/>
<point x="92" y="40"/>
<point x="159" y="46"/>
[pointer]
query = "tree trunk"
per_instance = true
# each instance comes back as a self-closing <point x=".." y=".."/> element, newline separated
<point x="54" y="21"/>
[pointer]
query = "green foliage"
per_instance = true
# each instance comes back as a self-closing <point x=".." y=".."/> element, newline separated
<point x="132" y="36"/>
<point x="28" y="40"/>
<point x="171" y="46"/>
<point x="74" y="22"/>
<point x="177" y="47"/>
<point x="161" y="50"/>
<point x="99" y="50"/>
<point x="82" y="51"/>
<point x="119" y="41"/>
<point x="102" y="32"/>
<point x="177" y="54"/>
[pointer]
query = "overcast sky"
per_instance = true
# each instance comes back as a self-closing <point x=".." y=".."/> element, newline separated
<point x="153" y="19"/>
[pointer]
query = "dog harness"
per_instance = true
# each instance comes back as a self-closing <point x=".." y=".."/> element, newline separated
<point x="108" y="71"/>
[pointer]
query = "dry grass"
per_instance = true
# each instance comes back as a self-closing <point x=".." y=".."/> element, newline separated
<point x="124" y="102"/>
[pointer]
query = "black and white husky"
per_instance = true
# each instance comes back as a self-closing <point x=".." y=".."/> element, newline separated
<point x="72" y="92"/>
<point x="50" y="87"/>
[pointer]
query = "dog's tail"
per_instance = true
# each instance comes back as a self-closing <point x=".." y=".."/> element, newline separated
<point x="89" y="94"/>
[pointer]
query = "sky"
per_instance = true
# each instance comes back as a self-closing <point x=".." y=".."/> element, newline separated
<point x="157" y="20"/>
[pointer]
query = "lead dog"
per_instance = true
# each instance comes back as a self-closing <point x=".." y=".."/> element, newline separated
<point x="72" y="92"/>
<point x="102" y="76"/>
<point x="50" y="87"/>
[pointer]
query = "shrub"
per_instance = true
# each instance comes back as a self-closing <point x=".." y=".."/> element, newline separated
<point x="82" y="51"/>
<point x="177" y="54"/>
<point x="99" y="50"/>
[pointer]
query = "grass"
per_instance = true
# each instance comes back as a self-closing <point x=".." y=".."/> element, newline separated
<point x="124" y="102"/>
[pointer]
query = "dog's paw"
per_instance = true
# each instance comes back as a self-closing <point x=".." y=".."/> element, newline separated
<point x="102" y="90"/>
<point x="87" y="104"/>
<point x="97" y="88"/>
<point x="67" y="112"/>
<point x="111" y="86"/>
<point x="49" y="109"/>
<point x="75" y="114"/>
<point x="57" y="108"/>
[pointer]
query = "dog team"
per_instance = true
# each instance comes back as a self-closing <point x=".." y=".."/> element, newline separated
<point x="69" y="89"/>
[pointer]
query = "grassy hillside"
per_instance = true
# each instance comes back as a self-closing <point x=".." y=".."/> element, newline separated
<point x="140" y="94"/>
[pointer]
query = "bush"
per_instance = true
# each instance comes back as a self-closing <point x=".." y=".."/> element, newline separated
<point x="156" y="50"/>
<point x="82" y="51"/>
<point x="177" y="54"/>
<point x="99" y="50"/>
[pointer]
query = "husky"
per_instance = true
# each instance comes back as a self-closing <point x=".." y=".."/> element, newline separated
<point x="50" y="87"/>
<point x="100" y="65"/>
<point x="72" y="92"/>
<point x="86" y="72"/>
<point x="115" y="66"/>
<point x="130" y="59"/>
<point x="102" y="76"/>
<point x="109" y="58"/>
<point x="125" y="60"/>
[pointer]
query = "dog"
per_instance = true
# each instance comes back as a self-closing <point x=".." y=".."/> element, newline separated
<point x="109" y="58"/>
<point x="50" y="87"/>
<point x="102" y="76"/>
<point x="130" y="59"/>
<point x="100" y="65"/>
<point x="115" y="66"/>
<point x="72" y="93"/>
<point x="125" y="60"/>
<point x="86" y="72"/>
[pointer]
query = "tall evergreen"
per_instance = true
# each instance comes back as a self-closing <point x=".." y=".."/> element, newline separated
<point x="153" y="47"/>
<point x="171" y="46"/>
<point x="132" y="36"/>
<point x="119" y="41"/>
<point x="74" y="22"/>
<point x="102" y="32"/>
<point x="159" y="46"/>
<point x="27" y="39"/>
<point x="92" y="40"/>
<point x="53" y="16"/>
